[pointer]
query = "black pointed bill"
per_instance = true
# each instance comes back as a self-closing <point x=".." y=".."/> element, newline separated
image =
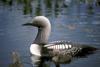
<point x="27" y="24"/>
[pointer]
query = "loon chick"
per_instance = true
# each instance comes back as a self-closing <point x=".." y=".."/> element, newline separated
<point x="56" y="48"/>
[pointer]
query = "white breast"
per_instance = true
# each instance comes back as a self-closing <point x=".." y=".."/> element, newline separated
<point x="35" y="49"/>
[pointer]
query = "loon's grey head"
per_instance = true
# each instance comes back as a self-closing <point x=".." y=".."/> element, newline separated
<point x="39" y="21"/>
<point x="44" y="29"/>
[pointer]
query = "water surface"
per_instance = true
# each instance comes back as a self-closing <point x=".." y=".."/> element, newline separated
<point x="76" y="21"/>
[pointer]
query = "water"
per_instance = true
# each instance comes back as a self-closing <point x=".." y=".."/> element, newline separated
<point x="76" y="22"/>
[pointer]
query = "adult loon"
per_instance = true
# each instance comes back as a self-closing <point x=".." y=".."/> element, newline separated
<point x="57" y="48"/>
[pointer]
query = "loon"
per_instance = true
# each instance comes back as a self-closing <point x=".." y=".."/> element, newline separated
<point x="41" y="47"/>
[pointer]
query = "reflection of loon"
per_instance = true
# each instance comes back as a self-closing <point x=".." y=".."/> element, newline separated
<point x="56" y="49"/>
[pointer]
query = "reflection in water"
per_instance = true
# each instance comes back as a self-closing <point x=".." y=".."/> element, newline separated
<point x="67" y="2"/>
<point x="7" y="2"/>
<point x="27" y="9"/>
<point x="48" y="6"/>
<point x="42" y="61"/>
<point x="98" y="2"/>
<point x="38" y="61"/>
<point x="38" y="9"/>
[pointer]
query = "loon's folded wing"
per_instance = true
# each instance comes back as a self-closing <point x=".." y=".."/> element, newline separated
<point x="74" y="49"/>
